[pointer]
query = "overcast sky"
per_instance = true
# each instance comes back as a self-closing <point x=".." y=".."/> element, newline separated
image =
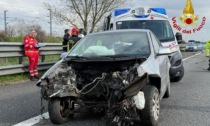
<point x="30" y="9"/>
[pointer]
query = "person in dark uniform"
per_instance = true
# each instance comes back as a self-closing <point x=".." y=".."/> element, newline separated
<point x="66" y="37"/>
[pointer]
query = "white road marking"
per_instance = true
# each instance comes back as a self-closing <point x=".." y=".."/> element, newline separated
<point x="33" y="120"/>
<point x="36" y="119"/>
<point x="191" y="56"/>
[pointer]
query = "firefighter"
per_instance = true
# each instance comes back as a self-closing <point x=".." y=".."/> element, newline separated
<point x="74" y="38"/>
<point x="31" y="48"/>
<point x="208" y="52"/>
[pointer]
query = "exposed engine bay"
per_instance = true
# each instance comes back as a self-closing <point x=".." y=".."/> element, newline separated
<point x="93" y="80"/>
<point x="96" y="85"/>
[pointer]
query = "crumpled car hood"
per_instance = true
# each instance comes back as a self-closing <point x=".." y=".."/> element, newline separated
<point x="149" y="66"/>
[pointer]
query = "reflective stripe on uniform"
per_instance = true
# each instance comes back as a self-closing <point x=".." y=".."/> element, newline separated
<point x="36" y="71"/>
<point x="31" y="73"/>
<point x="68" y="44"/>
<point x="26" y="45"/>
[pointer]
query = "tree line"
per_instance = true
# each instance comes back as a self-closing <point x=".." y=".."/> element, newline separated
<point x="86" y="14"/>
<point x="18" y="30"/>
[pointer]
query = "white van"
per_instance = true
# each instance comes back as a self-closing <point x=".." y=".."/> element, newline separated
<point x="156" y="20"/>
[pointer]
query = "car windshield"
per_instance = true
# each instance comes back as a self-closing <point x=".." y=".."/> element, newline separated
<point x="112" y="44"/>
<point x="161" y="28"/>
<point x="191" y="43"/>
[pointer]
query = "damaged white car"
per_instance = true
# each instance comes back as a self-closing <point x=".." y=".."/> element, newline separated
<point x="123" y="73"/>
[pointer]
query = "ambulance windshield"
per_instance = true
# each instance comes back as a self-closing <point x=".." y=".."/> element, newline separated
<point x="161" y="28"/>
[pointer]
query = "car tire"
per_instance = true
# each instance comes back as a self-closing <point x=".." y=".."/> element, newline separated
<point x="168" y="91"/>
<point x="150" y="114"/>
<point x="177" y="79"/>
<point x="57" y="107"/>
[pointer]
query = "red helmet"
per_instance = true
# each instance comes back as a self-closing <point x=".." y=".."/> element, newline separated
<point x="74" y="31"/>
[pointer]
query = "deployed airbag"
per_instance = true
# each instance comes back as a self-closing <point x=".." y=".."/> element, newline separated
<point x="99" y="50"/>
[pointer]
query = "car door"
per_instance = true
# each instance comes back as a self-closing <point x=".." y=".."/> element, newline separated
<point x="162" y="62"/>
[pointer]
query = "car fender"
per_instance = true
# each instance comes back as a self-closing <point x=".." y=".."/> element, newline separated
<point x="50" y="72"/>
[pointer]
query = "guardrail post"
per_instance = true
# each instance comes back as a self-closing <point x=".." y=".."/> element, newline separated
<point x="43" y="58"/>
<point x="20" y="60"/>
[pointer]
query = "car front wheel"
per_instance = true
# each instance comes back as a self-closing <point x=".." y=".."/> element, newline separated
<point x="150" y="114"/>
<point x="59" y="110"/>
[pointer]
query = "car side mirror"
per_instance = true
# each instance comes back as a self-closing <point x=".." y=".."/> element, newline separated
<point x="179" y="37"/>
<point x="164" y="51"/>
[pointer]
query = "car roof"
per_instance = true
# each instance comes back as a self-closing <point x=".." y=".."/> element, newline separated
<point x="121" y="31"/>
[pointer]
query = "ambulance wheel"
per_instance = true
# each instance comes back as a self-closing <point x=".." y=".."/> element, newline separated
<point x="177" y="79"/>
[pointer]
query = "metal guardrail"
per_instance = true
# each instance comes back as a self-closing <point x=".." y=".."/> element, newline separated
<point x="15" y="69"/>
<point x="15" y="49"/>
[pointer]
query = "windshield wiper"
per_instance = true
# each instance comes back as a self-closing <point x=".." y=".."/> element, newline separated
<point x="126" y="56"/>
<point x="78" y="57"/>
<point x="115" y="56"/>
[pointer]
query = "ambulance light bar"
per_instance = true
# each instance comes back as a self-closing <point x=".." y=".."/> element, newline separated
<point x="159" y="10"/>
<point x="139" y="11"/>
<point x="118" y="12"/>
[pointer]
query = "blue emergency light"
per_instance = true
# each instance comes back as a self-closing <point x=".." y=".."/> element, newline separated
<point x="118" y="12"/>
<point x="159" y="10"/>
<point x="141" y="16"/>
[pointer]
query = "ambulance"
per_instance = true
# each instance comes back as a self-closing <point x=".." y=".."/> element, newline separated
<point x="156" y="20"/>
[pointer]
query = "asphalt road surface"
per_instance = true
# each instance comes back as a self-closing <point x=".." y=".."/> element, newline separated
<point x="188" y="105"/>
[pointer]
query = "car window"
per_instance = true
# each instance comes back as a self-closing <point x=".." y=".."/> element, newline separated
<point x="155" y="42"/>
<point x="115" y="43"/>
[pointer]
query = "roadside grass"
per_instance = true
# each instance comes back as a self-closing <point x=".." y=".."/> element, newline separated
<point x="51" y="58"/>
<point x="16" y="78"/>
<point x="41" y="39"/>
<point x="14" y="39"/>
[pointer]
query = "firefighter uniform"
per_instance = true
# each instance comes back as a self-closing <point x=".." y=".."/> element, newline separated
<point x="73" y="39"/>
<point x="31" y="49"/>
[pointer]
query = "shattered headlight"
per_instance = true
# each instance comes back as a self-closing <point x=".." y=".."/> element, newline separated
<point x="139" y="100"/>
